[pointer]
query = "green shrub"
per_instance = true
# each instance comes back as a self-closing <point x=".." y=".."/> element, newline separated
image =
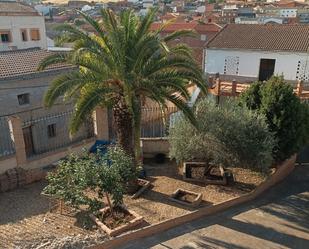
<point x="107" y="175"/>
<point x="228" y="134"/>
<point x="285" y="115"/>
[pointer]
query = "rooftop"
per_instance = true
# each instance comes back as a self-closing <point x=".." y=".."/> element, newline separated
<point x="198" y="27"/>
<point x="9" y="8"/>
<point x="262" y="37"/>
<point x="24" y="62"/>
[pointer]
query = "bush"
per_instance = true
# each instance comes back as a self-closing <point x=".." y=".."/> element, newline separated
<point x="107" y="175"/>
<point x="285" y="115"/>
<point x="229" y="135"/>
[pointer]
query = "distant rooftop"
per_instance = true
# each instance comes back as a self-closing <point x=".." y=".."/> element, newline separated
<point x="8" y="8"/>
<point x="24" y="62"/>
<point x="267" y="37"/>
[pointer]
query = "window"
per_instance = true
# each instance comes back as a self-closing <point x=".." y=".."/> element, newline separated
<point x="51" y="130"/>
<point x="23" y="99"/>
<point x="35" y="34"/>
<point x="203" y="37"/>
<point x="24" y="36"/>
<point x="5" y="36"/>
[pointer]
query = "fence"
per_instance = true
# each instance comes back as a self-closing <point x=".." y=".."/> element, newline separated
<point x="50" y="133"/>
<point x="155" y="122"/>
<point x="6" y="144"/>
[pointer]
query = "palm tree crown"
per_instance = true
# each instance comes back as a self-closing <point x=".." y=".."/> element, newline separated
<point x="120" y="64"/>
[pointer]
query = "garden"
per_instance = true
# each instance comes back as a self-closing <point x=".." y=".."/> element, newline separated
<point x="234" y="148"/>
<point x="217" y="151"/>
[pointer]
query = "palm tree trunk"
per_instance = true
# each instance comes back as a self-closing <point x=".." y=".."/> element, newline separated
<point x="124" y="127"/>
<point x="137" y="132"/>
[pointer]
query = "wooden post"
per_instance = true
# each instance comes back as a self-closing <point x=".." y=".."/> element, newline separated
<point x="16" y="130"/>
<point x="100" y="122"/>
<point x="211" y="81"/>
<point x="234" y="86"/>
<point x="218" y="86"/>
<point x="300" y="85"/>
<point x="218" y="89"/>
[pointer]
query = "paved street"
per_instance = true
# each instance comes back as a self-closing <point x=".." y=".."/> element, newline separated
<point x="279" y="219"/>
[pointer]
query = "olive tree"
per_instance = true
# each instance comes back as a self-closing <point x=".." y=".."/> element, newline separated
<point x="228" y="134"/>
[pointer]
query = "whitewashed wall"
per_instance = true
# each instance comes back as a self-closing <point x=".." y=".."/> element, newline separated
<point x="15" y="24"/>
<point x="249" y="62"/>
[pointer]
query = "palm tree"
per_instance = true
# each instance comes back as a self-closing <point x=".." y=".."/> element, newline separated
<point x="119" y="65"/>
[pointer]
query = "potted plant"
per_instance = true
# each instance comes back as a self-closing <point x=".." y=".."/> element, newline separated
<point x="104" y="175"/>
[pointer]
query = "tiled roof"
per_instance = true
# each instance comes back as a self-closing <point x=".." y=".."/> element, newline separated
<point x="200" y="28"/>
<point x="8" y="8"/>
<point x="24" y="62"/>
<point x="262" y="37"/>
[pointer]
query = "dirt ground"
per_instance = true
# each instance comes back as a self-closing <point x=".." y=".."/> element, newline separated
<point x="156" y="206"/>
<point x="25" y="218"/>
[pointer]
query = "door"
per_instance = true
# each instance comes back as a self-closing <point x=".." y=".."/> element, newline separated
<point x="27" y="133"/>
<point x="267" y="68"/>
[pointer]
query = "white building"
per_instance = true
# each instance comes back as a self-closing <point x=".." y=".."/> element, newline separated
<point x="256" y="52"/>
<point x="288" y="12"/>
<point x="21" y="27"/>
<point x="261" y="20"/>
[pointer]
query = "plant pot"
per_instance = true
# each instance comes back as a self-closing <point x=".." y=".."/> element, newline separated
<point x="143" y="186"/>
<point x="225" y="176"/>
<point x="134" y="220"/>
<point x="186" y="197"/>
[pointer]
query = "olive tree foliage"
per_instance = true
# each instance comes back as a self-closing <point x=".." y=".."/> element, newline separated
<point x="287" y="117"/>
<point x="227" y="135"/>
<point x="105" y="174"/>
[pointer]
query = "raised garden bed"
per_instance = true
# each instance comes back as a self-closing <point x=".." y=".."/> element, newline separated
<point x="122" y="220"/>
<point x="197" y="172"/>
<point x="187" y="198"/>
<point x="143" y="185"/>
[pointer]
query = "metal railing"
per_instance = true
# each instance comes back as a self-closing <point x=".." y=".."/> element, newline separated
<point x="49" y="133"/>
<point x="155" y="121"/>
<point x="7" y="146"/>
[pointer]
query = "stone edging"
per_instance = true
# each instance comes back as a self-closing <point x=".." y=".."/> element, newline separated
<point x="282" y="171"/>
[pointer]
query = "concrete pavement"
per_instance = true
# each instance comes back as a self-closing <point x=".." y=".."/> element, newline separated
<point x="278" y="219"/>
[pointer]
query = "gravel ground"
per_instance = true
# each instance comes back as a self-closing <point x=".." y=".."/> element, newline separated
<point x="155" y="205"/>
<point x="26" y="223"/>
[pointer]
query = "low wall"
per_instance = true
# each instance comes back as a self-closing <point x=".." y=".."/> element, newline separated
<point x="153" y="146"/>
<point x="8" y="162"/>
<point x="51" y="157"/>
<point x="45" y="159"/>
<point x="282" y="171"/>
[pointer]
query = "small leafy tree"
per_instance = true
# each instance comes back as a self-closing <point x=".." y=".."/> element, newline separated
<point x="105" y="174"/>
<point x="285" y="115"/>
<point x="228" y="135"/>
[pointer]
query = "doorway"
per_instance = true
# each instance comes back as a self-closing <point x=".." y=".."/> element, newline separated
<point x="267" y="68"/>
<point x="27" y="133"/>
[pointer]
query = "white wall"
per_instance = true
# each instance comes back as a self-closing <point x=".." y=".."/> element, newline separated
<point x="15" y="24"/>
<point x="288" y="12"/>
<point x="249" y="62"/>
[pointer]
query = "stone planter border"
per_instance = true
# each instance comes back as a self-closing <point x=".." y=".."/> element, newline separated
<point x="197" y="201"/>
<point x="282" y="171"/>
<point x="118" y="230"/>
<point x="142" y="189"/>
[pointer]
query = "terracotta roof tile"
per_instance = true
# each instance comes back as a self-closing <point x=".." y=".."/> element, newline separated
<point x="23" y="62"/>
<point x="200" y="28"/>
<point x="10" y="8"/>
<point x="262" y="37"/>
